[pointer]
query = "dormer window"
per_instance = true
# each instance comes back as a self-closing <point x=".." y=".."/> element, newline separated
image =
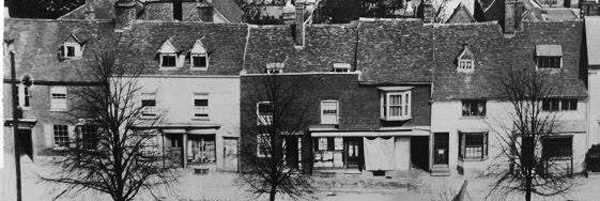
<point x="341" y="67"/>
<point x="466" y="60"/>
<point x="71" y="48"/>
<point x="396" y="103"/>
<point x="548" y="56"/>
<point x="168" y="56"/>
<point x="199" y="56"/>
<point x="275" y="68"/>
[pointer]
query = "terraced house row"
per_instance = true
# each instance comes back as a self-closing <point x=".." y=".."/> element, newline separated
<point x="378" y="94"/>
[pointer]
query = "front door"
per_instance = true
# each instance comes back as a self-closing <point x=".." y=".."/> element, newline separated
<point x="25" y="145"/>
<point x="230" y="152"/>
<point x="440" y="148"/>
<point x="353" y="152"/>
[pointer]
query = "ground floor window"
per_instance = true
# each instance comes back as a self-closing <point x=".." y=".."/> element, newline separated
<point x="89" y="136"/>
<point x="557" y="147"/>
<point x="61" y="135"/>
<point x="201" y="149"/>
<point x="473" y="145"/>
<point x="328" y="151"/>
<point x="263" y="142"/>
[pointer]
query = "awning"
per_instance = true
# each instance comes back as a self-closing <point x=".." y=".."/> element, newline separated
<point x="548" y="50"/>
<point x="385" y="132"/>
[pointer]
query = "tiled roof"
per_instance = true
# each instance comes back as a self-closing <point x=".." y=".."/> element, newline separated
<point x="36" y="45"/>
<point x="229" y="10"/>
<point x="592" y="33"/>
<point x="559" y="14"/>
<point x="225" y="44"/>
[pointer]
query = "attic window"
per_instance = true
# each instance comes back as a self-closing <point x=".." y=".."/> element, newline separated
<point x="341" y="67"/>
<point x="70" y="50"/>
<point x="549" y="56"/>
<point x="167" y="55"/>
<point x="466" y="60"/>
<point x="275" y="68"/>
<point x="199" y="56"/>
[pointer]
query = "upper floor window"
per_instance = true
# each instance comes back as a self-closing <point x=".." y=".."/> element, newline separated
<point x="396" y="103"/>
<point x="71" y="48"/>
<point x="264" y="112"/>
<point x="341" y="67"/>
<point x="472" y="108"/>
<point x="199" y="56"/>
<point x="148" y="105"/>
<point x="549" y="56"/>
<point x="329" y="112"/>
<point x="200" y="105"/>
<point x="466" y="60"/>
<point x="167" y="55"/>
<point x="58" y="97"/>
<point x="473" y="145"/>
<point x="61" y="135"/>
<point x="558" y="104"/>
<point x="275" y="68"/>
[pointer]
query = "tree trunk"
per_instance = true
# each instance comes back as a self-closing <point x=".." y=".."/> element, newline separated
<point x="528" y="195"/>
<point x="272" y="193"/>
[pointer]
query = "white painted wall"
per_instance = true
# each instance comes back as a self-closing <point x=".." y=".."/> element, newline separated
<point x="174" y="99"/>
<point x="593" y="107"/>
<point x="447" y="117"/>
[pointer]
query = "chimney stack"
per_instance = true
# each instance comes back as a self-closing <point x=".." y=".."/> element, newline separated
<point x="513" y="15"/>
<point x="299" y="24"/>
<point x="205" y="10"/>
<point x="126" y="14"/>
<point x="427" y="11"/>
<point x="89" y="13"/>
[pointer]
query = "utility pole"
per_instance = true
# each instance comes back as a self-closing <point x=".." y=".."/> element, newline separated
<point x="15" y="124"/>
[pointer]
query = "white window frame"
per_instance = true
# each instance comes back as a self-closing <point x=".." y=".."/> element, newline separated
<point x="76" y="50"/>
<point x="275" y="68"/>
<point x="55" y="136"/>
<point x="192" y="59"/>
<point x="405" y="103"/>
<point x="466" y="65"/>
<point x="58" y="102"/>
<point x="148" y="111"/>
<point x="330" y="105"/>
<point x="263" y="120"/>
<point x="200" y="109"/>
<point x="341" y="67"/>
<point x="260" y="138"/>
<point x="162" y="55"/>
<point x="24" y="97"/>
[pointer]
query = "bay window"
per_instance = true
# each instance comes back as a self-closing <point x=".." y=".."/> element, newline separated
<point x="395" y="105"/>
<point x="473" y="145"/>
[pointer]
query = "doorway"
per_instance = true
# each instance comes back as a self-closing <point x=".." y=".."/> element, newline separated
<point x="567" y="3"/>
<point x="440" y="148"/>
<point x="230" y="152"/>
<point x="353" y="153"/>
<point x="25" y="144"/>
<point x="419" y="152"/>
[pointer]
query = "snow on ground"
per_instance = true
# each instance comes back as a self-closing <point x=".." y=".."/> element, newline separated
<point x="220" y="186"/>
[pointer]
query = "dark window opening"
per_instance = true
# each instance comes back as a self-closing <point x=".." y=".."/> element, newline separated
<point x="473" y="108"/>
<point x="168" y="61"/>
<point x="548" y="62"/>
<point x="554" y="104"/>
<point x="88" y="136"/>
<point x="148" y="103"/>
<point x="177" y="11"/>
<point x="199" y="61"/>
<point x="557" y="147"/>
<point x="473" y="145"/>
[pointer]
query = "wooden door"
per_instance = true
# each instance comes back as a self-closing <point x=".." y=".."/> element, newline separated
<point x="440" y="150"/>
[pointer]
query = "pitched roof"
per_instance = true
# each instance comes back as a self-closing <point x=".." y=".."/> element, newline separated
<point x="155" y="10"/>
<point x="592" y="34"/>
<point x="36" y="44"/>
<point x="225" y="44"/>
<point x="460" y="15"/>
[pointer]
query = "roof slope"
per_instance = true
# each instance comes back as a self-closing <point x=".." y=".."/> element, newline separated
<point x="225" y="44"/>
<point x="36" y="45"/>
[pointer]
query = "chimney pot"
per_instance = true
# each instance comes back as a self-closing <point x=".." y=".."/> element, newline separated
<point x="299" y="24"/>
<point x="205" y="10"/>
<point x="126" y="14"/>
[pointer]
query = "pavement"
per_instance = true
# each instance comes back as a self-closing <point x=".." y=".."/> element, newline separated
<point x="337" y="186"/>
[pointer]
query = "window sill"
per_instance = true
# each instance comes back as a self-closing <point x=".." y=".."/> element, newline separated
<point x="199" y="68"/>
<point x="25" y="108"/>
<point x="200" y="119"/>
<point x="59" y="148"/>
<point x="167" y="68"/>
<point x="58" y="110"/>
<point x="396" y="119"/>
<point x="149" y="117"/>
<point x="473" y="159"/>
<point x="472" y="117"/>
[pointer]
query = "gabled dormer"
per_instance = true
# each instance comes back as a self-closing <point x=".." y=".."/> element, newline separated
<point x="199" y="57"/>
<point x="71" y="48"/>
<point x="466" y="60"/>
<point x="167" y="56"/>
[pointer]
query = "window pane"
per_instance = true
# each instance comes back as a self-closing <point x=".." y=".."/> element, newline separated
<point x="199" y="61"/>
<point x="70" y="51"/>
<point x="472" y="145"/>
<point x="61" y="135"/>
<point x="168" y="61"/>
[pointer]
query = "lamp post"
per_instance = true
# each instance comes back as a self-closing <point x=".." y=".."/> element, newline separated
<point x="15" y="124"/>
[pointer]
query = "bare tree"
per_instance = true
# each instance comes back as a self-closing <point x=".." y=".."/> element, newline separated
<point x="108" y="155"/>
<point x="532" y="170"/>
<point x="281" y="120"/>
